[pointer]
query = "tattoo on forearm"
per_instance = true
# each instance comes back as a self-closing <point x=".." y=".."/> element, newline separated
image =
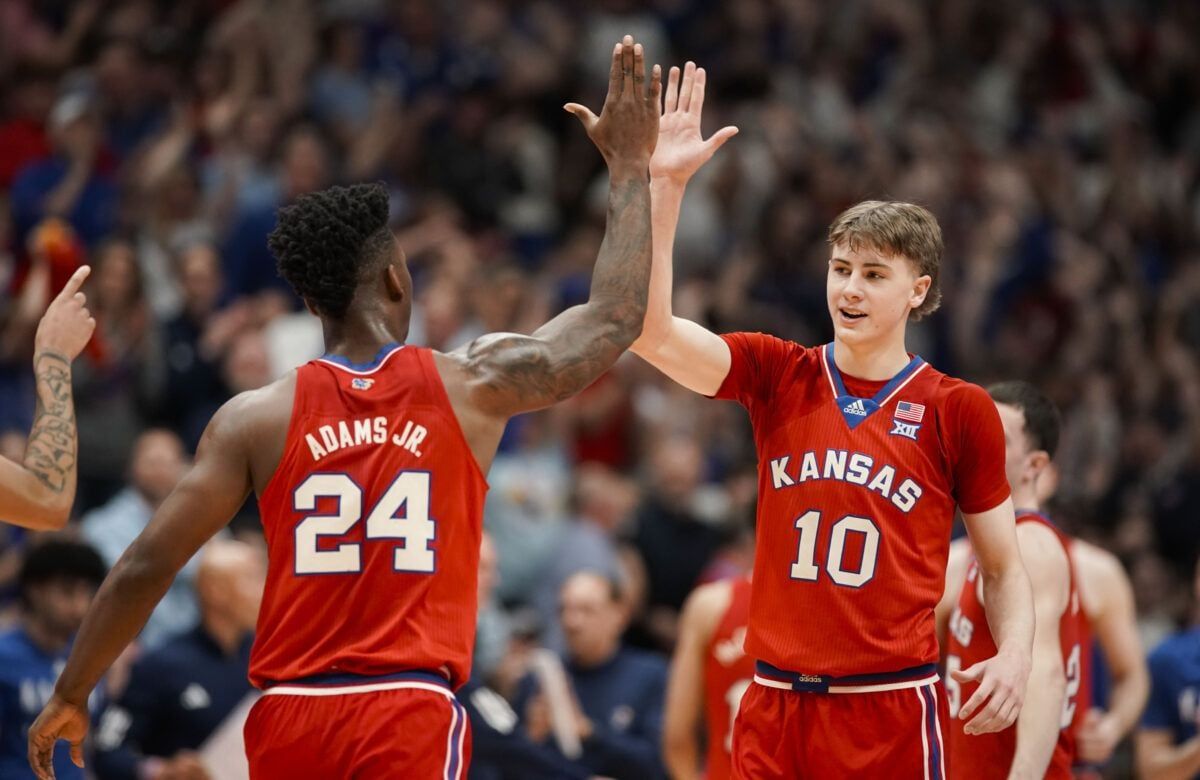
<point x="51" y="451"/>
<point x="572" y="350"/>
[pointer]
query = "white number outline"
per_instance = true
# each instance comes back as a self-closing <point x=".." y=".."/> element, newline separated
<point x="805" y="566"/>
<point x="411" y="489"/>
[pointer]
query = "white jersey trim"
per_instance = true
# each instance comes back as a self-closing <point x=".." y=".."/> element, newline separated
<point x="342" y="690"/>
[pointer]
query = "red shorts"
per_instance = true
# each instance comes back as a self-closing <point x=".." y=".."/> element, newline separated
<point x="410" y="729"/>
<point x="796" y="735"/>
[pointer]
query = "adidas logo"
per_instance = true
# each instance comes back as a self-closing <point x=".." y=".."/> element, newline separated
<point x="858" y="408"/>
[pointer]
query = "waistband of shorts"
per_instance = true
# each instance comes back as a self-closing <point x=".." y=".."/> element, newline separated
<point x="913" y="677"/>
<point x="339" y="684"/>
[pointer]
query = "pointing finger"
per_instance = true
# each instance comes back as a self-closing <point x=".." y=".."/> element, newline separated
<point x="75" y="282"/>
<point x="672" y="90"/>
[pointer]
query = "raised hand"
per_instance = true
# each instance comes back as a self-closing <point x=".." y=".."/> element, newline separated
<point x="681" y="150"/>
<point x="67" y="324"/>
<point x="627" y="128"/>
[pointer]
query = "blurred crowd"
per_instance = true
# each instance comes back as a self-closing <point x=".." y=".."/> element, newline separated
<point x="1057" y="143"/>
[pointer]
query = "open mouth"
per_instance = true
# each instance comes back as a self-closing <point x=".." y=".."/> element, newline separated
<point x="850" y="314"/>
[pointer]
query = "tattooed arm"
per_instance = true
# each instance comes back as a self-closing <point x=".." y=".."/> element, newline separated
<point x="505" y="373"/>
<point x="39" y="494"/>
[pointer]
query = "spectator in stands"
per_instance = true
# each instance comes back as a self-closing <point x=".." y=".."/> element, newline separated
<point x="604" y="502"/>
<point x="181" y="693"/>
<point x="500" y="750"/>
<point x="1168" y="742"/>
<point x="673" y="539"/>
<point x="119" y="378"/>
<point x="157" y="464"/>
<point x="57" y="582"/>
<point x="617" y="691"/>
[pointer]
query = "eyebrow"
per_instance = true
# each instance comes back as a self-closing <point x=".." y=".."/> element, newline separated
<point x="867" y="264"/>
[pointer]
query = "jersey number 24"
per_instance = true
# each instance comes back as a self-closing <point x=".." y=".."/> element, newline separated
<point x="415" y="529"/>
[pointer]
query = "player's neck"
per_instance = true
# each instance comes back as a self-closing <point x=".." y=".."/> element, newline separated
<point x="876" y="361"/>
<point x="1025" y="500"/>
<point x="359" y="337"/>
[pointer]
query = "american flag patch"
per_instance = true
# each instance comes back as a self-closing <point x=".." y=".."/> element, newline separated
<point x="911" y="412"/>
<point x="358" y="383"/>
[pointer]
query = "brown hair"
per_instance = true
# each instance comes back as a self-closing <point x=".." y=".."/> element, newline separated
<point x="895" y="228"/>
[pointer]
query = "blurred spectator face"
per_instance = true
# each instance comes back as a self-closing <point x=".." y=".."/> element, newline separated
<point x="487" y="568"/>
<point x="592" y="618"/>
<point x="868" y="293"/>
<point x="179" y="196"/>
<point x="116" y="282"/>
<point x="200" y="278"/>
<point x="441" y="309"/>
<point x="247" y="366"/>
<point x="158" y="464"/>
<point x="75" y="127"/>
<point x="677" y="465"/>
<point x="230" y="583"/>
<point x="259" y="126"/>
<point x="119" y="70"/>
<point x="304" y="164"/>
<point x="604" y="496"/>
<point x="60" y="604"/>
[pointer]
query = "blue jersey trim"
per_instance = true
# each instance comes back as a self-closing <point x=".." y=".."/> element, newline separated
<point x="819" y="683"/>
<point x="383" y="352"/>
<point x="864" y="407"/>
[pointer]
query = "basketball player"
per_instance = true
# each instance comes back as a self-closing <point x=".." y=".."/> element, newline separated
<point x="38" y="494"/>
<point x="864" y="453"/>
<point x="1041" y="744"/>
<point x="1108" y="616"/>
<point x="369" y="468"/>
<point x="710" y="673"/>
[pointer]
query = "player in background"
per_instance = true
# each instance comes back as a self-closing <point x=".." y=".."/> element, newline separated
<point x="38" y="493"/>
<point x="1108" y="616"/>
<point x="368" y="465"/>
<point x="864" y="452"/>
<point x="710" y="672"/>
<point x="1041" y="744"/>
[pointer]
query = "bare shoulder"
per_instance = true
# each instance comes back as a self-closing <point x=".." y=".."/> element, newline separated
<point x="704" y="607"/>
<point x="1043" y="554"/>
<point x="253" y="426"/>
<point x="1100" y="577"/>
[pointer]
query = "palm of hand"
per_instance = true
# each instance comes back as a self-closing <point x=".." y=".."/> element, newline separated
<point x="680" y="151"/>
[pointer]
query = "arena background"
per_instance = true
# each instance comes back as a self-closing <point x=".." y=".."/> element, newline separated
<point x="1058" y="143"/>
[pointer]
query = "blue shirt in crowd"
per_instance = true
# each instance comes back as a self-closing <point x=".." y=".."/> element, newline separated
<point x="1174" y="702"/>
<point x="623" y="698"/>
<point x="27" y="678"/>
<point x="176" y="698"/>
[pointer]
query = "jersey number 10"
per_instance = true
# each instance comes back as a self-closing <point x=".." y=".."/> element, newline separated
<point x="805" y="567"/>
<point x="415" y="529"/>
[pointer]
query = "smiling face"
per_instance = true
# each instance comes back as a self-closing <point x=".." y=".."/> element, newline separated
<point x="870" y="294"/>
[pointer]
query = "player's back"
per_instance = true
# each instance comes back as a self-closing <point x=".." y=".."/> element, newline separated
<point x="373" y="520"/>
<point x="970" y="641"/>
<point x="728" y="672"/>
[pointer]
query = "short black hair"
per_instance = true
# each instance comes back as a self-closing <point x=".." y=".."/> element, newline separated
<point x="60" y="559"/>
<point x="1042" y="422"/>
<point x="326" y="241"/>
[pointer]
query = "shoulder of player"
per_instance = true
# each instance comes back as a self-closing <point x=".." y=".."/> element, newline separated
<point x="1042" y="551"/>
<point x="1101" y="579"/>
<point x="259" y="410"/>
<point x="704" y="607"/>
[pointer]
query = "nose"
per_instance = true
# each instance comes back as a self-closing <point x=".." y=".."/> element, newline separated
<point x="852" y="290"/>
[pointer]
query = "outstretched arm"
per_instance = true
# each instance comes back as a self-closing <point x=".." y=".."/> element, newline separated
<point x="507" y="373"/>
<point x="684" y="350"/>
<point x="203" y="502"/>
<point x="39" y="494"/>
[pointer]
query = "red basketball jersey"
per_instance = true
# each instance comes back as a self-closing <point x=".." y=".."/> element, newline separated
<point x="858" y="482"/>
<point x="982" y="756"/>
<point x="728" y="672"/>
<point x="373" y="522"/>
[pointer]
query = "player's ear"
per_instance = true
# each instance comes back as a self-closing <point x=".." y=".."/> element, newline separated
<point x="311" y="308"/>
<point x="1038" y="461"/>
<point x="393" y="283"/>
<point x="920" y="290"/>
